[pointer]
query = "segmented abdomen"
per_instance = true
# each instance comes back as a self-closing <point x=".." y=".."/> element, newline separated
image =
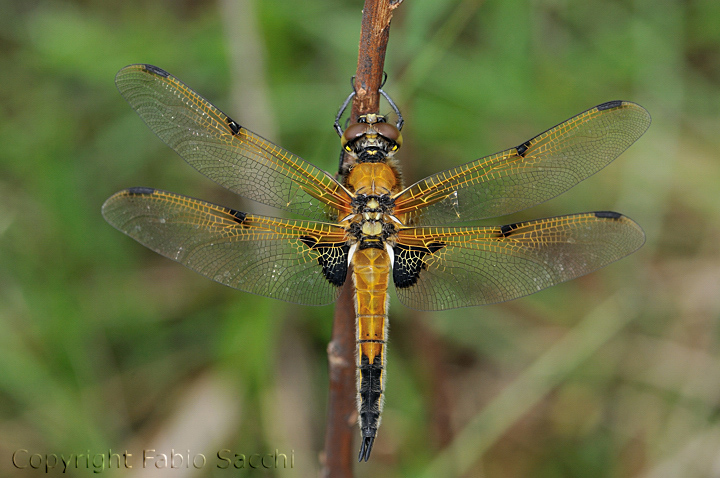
<point x="371" y="273"/>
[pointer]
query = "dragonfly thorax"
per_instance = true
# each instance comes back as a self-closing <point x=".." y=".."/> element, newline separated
<point x="372" y="221"/>
<point x="373" y="203"/>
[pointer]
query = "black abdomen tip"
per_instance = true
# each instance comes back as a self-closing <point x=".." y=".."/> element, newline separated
<point x="366" y="448"/>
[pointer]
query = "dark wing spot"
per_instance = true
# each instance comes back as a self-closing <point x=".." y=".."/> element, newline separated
<point x="433" y="247"/>
<point x="608" y="214"/>
<point x="156" y="71"/>
<point x="333" y="259"/>
<point x="234" y="127"/>
<point x="239" y="216"/>
<point x="409" y="261"/>
<point x="609" y="105"/>
<point x="308" y="241"/>
<point x="522" y="149"/>
<point x="141" y="191"/>
<point x="508" y="229"/>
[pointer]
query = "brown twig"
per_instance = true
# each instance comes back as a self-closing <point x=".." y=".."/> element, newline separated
<point x="342" y="414"/>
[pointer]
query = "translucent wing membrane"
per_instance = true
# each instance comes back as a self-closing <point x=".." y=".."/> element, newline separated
<point x="227" y="153"/>
<point x="443" y="268"/>
<point x="434" y="267"/>
<point x="537" y="170"/>
<point x="295" y="261"/>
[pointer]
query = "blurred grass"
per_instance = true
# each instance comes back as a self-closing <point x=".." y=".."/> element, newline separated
<point x="105" y="345"/>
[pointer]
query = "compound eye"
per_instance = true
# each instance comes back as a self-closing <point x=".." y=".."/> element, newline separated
<point x="389" y="131"/>
<point x="353" y="132"/>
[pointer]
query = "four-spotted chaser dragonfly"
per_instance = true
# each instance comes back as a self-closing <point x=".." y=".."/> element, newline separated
<point x="368" y="222"/>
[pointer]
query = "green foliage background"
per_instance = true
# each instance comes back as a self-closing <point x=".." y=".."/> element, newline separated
<point x="106" y="346"/>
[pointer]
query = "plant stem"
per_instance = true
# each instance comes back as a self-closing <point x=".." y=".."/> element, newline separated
<point x="342" y="414"/>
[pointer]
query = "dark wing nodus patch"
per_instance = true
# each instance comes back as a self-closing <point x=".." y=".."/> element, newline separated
<point x="409" y="261"/>
<point x="333" y="259"/>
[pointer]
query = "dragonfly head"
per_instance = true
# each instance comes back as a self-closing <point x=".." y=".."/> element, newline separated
<point x="372" y="138"/>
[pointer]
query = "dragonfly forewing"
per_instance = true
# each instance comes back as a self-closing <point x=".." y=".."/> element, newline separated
<point x="537" y="170"/>
<point x="226" y="152"/>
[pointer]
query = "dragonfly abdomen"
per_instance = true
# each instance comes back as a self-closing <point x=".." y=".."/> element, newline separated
<point x="371" y="273"/>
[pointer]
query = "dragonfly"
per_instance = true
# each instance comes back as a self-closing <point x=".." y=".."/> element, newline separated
<point x="367" y="225"/>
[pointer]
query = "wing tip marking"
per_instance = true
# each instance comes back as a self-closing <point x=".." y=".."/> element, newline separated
<point x="608" y="215"/>
<point x="140" y="191"/>
<point x="610" y="105"/>
<point x="155" y="70"/>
